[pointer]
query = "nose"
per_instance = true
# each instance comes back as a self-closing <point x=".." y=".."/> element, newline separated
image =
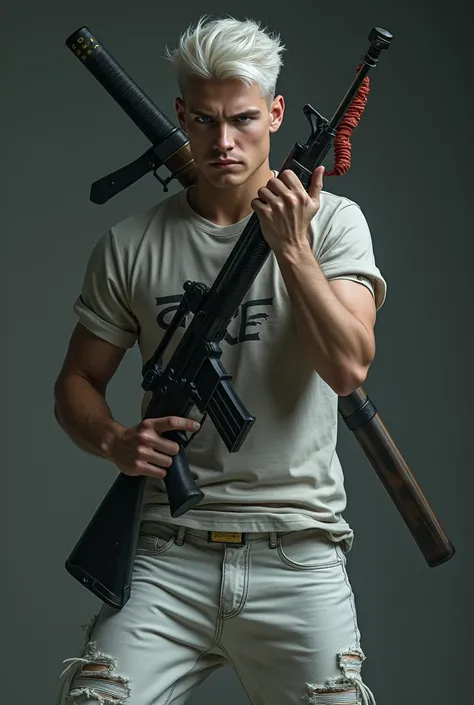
<point x="224" y="140"/>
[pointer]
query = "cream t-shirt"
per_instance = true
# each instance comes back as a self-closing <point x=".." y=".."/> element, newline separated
<point x="287" y="474"/>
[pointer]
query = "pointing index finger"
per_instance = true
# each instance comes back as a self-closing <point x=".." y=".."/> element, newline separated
<point x="176" y="423"/>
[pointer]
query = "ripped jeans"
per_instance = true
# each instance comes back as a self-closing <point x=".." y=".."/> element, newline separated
<point x="279" y="609"/>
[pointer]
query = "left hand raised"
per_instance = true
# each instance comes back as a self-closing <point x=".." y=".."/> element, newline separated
<point x="285" y="209"/>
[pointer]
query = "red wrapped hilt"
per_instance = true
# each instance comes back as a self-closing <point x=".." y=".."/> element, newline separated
<point x="342" y="142"/>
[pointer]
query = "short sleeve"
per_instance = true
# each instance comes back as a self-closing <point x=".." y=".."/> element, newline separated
<point x="359" y="279"/>
<point x="103" y="306"/>
<point x="346" y="251"/>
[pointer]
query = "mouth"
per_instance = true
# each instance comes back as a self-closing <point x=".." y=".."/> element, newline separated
<point x="225" y="163"/>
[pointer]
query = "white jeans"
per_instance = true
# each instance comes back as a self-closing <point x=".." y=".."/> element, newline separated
<point x="279" y="608"/>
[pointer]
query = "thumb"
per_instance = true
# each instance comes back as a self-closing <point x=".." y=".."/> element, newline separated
<point x="316" y="184"/>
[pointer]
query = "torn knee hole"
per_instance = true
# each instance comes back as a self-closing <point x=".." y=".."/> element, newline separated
<point x="95" y="667"/>
<point x="336" y="691"/>
<point x="96" y="678"/>
<point x="348" y="688"/>
<point x="96" y="670"/>
<point x="106" y="689"/>
<point x="335" y="697"/>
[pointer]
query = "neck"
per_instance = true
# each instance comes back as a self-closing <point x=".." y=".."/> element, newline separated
<point x="226" y="206"/>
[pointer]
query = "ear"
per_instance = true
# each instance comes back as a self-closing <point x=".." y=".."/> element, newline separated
<point x="277" y="110"/>
<point x="181" y="112"/>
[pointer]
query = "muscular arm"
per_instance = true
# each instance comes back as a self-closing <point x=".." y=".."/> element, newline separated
<point x="79" y="392"/>
<point x="334" y="320"/>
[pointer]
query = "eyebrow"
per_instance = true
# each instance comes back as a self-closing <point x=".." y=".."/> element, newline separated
<point x="252" y="112"/>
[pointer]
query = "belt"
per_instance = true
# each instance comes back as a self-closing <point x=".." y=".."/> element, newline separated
<point x="236" y="538"/>
<point x="231" y="538"/>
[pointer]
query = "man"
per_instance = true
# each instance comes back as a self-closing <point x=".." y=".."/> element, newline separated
<point x="276" y="603"/>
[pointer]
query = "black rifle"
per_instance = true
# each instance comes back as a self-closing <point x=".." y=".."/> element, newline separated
<point x="102" y="559"/>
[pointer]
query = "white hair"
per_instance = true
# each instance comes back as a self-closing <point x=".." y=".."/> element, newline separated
<point x="228" y="48"/>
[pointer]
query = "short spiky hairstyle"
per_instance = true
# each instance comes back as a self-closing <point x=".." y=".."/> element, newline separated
<point x="227" y="48"/>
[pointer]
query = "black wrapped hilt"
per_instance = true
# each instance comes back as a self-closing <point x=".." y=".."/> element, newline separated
<point x="108" y="72"/>
<point x="167" y="139"/>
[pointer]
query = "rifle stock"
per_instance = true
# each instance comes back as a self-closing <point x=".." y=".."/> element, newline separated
<point x="103" y="557"/>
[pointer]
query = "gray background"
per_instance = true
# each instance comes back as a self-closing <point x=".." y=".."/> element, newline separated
<point x="411" y="173"/>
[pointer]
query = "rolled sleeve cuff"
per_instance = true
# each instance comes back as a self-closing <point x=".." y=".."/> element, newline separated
<point x="344" y="269"/>
<point x="103" y="329"/>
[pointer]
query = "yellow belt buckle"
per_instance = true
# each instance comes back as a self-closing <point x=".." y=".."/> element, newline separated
<point x="233" y="537"/>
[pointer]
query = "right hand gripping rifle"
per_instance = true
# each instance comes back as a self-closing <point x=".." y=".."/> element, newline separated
<point x="102" y="559"/>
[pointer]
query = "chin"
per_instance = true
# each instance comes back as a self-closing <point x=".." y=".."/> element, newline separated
<point x="227" y="179"/>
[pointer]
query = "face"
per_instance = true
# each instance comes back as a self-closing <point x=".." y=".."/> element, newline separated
<point x="229" y="126"/>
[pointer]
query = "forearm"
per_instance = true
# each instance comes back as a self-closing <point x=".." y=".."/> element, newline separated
<point x="82" y="412"/>
<point x="338" y="344"/>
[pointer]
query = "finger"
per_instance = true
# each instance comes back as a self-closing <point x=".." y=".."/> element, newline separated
<point x="142" y="467"/>
<point x="164" y="445"/>
<point x="175" y="423"/>
<point x="266" y="196"/>
<point x="259" y="206"/>
<point x="289" y="180"/>
<point x="150" y="438"/>
<point x="278" y="185"/>
<point x="152" y="463"/>
<point x="147" y="450"/>
<point x="156" y="459"/>
<point x="316" y="183"/>
<point x="150" y="470"/>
